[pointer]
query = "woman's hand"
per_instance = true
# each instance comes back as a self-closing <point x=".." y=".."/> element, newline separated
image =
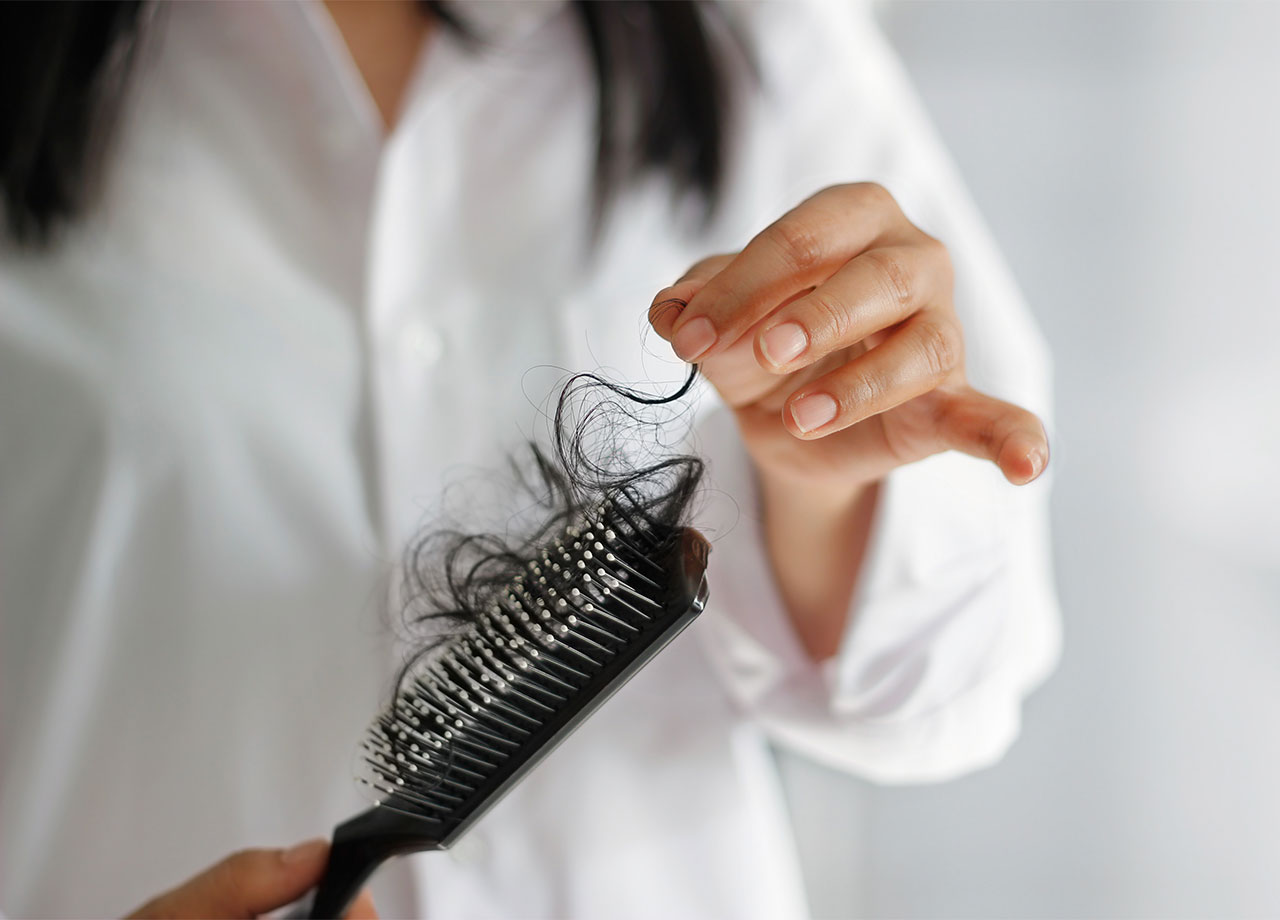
<point x="249" y="883"/>
<point x="834" y="338"/>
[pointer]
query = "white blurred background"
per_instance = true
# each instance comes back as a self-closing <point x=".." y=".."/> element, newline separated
<point x="1127" y="156"/>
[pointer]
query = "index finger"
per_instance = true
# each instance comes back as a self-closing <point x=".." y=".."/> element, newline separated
<point x="799" y="250"/>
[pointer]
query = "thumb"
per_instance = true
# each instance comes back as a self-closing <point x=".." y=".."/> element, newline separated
<point x="362" y="907"/>
<point x="992" y="429"/>
<point x="244" y="885"/>
<point x="669" y="301"/>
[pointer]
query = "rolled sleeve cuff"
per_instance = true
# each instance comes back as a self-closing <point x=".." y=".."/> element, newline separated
<point x="954" y="619"/>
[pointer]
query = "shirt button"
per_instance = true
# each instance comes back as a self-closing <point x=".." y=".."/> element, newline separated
<point x="421" y="342"/>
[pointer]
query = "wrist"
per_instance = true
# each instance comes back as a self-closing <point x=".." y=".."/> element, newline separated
<point x="816" y="533"/>
<point x="822" y="496"/>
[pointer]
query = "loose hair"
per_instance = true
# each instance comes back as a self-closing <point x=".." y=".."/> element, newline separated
<point x="606" y="445"/>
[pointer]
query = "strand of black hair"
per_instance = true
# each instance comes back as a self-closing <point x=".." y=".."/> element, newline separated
<point x="451" y="576"/>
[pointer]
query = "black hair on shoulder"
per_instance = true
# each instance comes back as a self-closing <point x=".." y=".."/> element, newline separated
<point x="64" y="69"/>
<point x="662" y="101"/>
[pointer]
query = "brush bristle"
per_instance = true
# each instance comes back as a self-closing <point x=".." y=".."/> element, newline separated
<point x="481" y="698"/>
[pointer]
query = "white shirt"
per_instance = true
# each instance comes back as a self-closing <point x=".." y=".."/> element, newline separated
<point x="233" y="394"/>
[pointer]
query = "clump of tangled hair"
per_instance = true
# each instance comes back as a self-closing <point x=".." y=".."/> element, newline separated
<point x="606" y="444"/>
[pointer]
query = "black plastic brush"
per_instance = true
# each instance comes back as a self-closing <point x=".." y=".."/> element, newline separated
<point x="483" y="707"/>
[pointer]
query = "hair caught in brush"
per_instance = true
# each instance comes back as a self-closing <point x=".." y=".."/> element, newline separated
<point x="607" y="444"/>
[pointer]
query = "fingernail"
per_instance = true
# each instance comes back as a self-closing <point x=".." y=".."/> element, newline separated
<point x="694" y="338"/>
<point x="783" y="343"/>
<point x="1038" y="462"/>
<point x="308" y="849"/>
<point x="813" y="411"/>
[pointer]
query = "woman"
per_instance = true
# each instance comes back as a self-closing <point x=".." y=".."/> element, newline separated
<point x="330" y="241"/>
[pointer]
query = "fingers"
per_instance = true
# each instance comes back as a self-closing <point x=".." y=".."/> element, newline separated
<point x="670" y="301"/>
<point x="879" y="288"/>
<point x="799" y="250"/>
<point x="245" y="884"/>
<point x="991" y="429"/>
<point x="917" y="358"/>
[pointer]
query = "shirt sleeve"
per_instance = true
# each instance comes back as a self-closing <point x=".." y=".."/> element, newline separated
<point x="955" y="618"/>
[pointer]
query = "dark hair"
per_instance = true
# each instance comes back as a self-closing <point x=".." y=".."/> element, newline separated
<point x="608" y="444"/>
<point x="64" y="67"/>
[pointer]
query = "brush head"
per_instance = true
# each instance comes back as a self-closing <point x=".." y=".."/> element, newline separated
<point x="487" y="703"/>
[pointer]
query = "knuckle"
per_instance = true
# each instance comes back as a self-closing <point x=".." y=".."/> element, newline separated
<point x="840" y="195"/>
<point x="895" y="280"/>
<point x="870" y="388"/>
<point x="986" y="436"/>
<point x="876" y="194"/>
<point x="800" y="248"/>
<point x="939" y="256"/>
<point x="940" y="347"/>
<point x="827" y="319"/>
<point x="941" y="407"/>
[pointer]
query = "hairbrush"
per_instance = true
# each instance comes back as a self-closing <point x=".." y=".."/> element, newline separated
<point x="585" y="611"/>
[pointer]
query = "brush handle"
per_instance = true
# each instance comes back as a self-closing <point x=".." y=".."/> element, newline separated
<point x="359" y="847"/>
<point x="392" y="829"/>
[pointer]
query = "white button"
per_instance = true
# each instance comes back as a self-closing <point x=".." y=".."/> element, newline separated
<point x="421" y="342"/>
